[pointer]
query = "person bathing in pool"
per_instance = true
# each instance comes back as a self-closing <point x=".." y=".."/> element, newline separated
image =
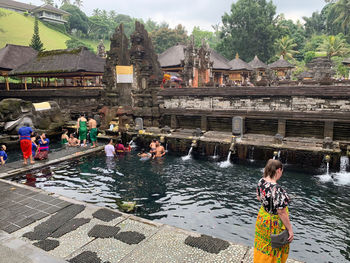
<point x="160" y="151"/>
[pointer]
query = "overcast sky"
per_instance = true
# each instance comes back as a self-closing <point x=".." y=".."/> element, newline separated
<point x="189" y="13"/>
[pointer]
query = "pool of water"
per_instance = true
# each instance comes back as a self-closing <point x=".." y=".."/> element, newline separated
<point x="16" y="154"/>
<point x="210" y="198"/>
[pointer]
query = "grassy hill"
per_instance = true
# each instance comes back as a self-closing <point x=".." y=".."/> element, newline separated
<point x="16" y="28"/>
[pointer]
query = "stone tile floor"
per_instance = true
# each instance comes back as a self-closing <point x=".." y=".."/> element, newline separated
<point x="81" y="233"/>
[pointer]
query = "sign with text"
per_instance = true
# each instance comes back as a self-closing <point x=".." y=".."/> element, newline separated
<point x="124" y="74"/>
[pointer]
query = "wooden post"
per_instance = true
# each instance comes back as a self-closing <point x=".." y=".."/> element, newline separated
<point x="56" y="83"/>
<point x="65" y="82"/>
<point x="7" y="83"/>
<point x="25" y="83"/>
<point x="41" y="82"/>
<point x="48" y="81"/>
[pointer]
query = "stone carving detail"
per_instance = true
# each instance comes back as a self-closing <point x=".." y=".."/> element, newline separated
<point x="148" y="76"/>
<point x="101" y="50"/>
<point x="117" y="55"/>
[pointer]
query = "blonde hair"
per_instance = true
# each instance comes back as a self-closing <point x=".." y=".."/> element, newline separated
<point x="271" y="168"/>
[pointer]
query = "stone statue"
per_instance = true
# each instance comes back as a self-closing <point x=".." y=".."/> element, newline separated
<point x="101" y="50"/>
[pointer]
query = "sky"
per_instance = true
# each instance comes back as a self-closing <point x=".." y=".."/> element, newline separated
<point x="190" y="13"/>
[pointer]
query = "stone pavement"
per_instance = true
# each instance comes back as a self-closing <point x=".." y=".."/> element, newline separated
<point x="67" y="153"/>
<point x="82" y="233"/>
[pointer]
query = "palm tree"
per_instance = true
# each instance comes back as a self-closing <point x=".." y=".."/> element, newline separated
<point x="78" y="3"/>
<point x="48" y="2"/>
<point x="342" y="9"/>
<point x="334" y="46"/>
<point x="63" y="2"/>
<point x="285" y="47"/>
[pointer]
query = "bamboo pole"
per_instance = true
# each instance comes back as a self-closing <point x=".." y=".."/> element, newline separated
<point x="25" y="84"/>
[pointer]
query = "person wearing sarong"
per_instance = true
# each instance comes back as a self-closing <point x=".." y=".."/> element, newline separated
<point x="119" y="147"/>
<point x="26" y="144"/>
<point x="273" y="216"/>
<point x="43" y="150"/>
<point x="34" y="145"/>
<point x="93" y="131"/>
<point x="64" y="137"/>
<point x="3" y="155"/>
<point x="82" y="129"/>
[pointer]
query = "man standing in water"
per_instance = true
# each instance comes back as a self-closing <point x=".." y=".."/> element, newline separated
<point x="26" y="144"/>
<point x="93" y="131"/>
<point x="160" y="151"/>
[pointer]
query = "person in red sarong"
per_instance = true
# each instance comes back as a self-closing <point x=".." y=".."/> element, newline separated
<point x="26" y="144"/>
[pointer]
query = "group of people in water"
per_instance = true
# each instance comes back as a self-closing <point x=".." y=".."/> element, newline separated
<point x="156" y="149"/>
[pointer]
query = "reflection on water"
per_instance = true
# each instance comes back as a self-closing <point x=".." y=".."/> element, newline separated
<point x="201" y="196"/>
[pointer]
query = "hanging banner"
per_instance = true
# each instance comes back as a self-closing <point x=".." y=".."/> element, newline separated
<point x="124" y="74"/>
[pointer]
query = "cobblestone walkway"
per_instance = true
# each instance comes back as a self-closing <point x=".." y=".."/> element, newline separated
<point x="76" y="232"/>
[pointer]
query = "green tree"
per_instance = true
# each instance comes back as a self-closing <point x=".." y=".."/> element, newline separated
<point x="334" y="46"/>
<point x="286" y="47"/>
<point x="165" y="37"/>
<point x="65" y="2"/>
<point x="249" y="29"/>
<point x="342" y="9"/>
<point x="48" y="2"/>
<point x="314" y="24"/>
<point x="75" y="43"/>
<point x="36" y="43"/>
<point x="208" y="36"/>
<point x="77" y="21"/>
<point x="78" y="3"/>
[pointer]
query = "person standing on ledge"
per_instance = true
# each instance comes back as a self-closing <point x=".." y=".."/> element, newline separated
<point x="93" y="131"/>
<point x="26" y="144"/>
<point x="3" y="154"/>
<point x="273" y="217"/>
<point x="82" y="129"/>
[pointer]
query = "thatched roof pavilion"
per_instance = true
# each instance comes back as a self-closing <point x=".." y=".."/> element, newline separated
<point x="238" y="64"/>
<point x="172" y="58"/>
<point x="77" y="64"/>
<point x="257" y="64"/>
<point x="240" y="69"/>
<point x="281" y="64"/>
<point x="13" y="56"/>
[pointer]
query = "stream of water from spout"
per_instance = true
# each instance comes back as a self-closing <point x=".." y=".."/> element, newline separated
<point x="188" y="156"/>
<point x="226" y="163"/>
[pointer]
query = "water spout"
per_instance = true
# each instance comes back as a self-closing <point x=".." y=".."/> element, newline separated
<point x="188" y="156"/>
<point x="215" y="156"/>
<point x="226" y="163"/>
<point x="327" y="158"/>
<point x="166" y="147"/>
<point x="251" y="154"/>
<point x="275" y="155"/>
<point x="344" y="164"/>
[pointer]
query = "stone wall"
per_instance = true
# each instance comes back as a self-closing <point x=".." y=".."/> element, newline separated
<point x="300" y="111"/>
<point x="72" y="101"/>
<point x="293" y="103"/>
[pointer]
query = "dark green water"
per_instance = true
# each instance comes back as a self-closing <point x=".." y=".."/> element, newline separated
<point x="199" y="195"/>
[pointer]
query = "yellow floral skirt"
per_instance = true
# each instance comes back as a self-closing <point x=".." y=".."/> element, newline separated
<point x="263" y="252"/>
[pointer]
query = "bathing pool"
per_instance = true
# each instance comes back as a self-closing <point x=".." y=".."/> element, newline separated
<point x="202" y="196"/>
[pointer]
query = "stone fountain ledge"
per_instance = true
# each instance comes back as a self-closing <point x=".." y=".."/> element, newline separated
<point x="37" y="226"/>
<point x="66" y="154"/>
